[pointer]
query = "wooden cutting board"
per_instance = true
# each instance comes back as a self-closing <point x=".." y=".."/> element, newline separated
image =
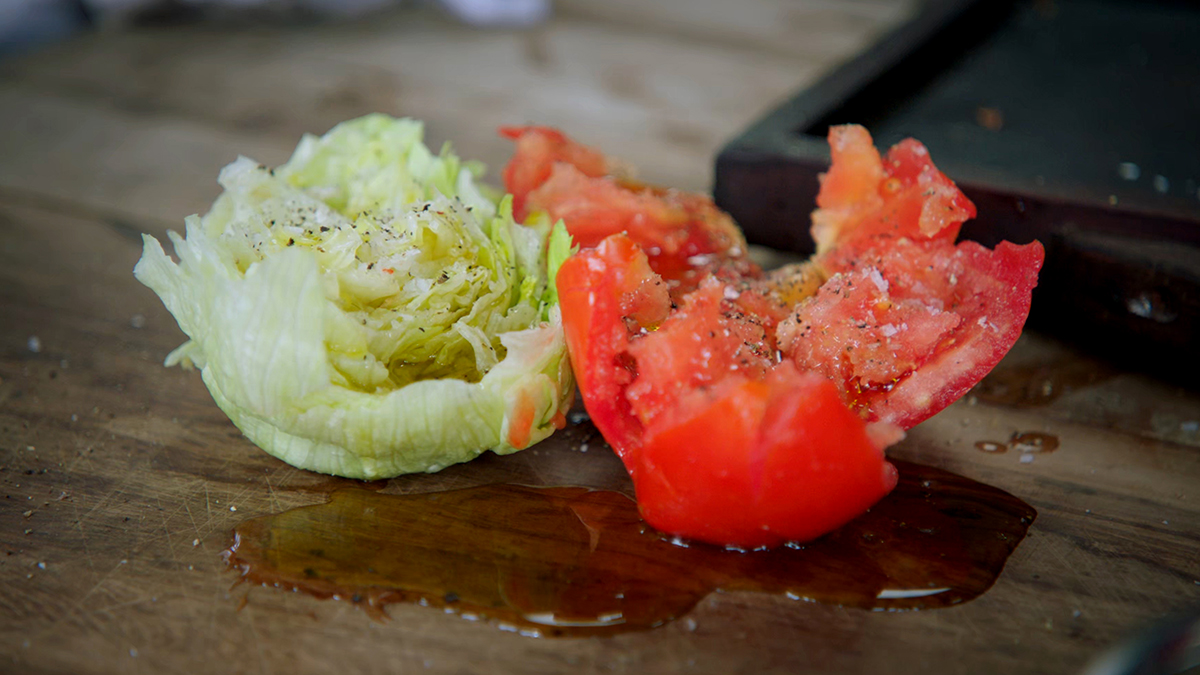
<point x="122" y="481"/>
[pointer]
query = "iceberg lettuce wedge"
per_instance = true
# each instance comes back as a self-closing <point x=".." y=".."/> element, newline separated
<point x="367" y="309"/>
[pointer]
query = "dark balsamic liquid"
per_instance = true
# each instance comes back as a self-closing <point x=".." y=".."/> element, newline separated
<point x="574" y="561"/>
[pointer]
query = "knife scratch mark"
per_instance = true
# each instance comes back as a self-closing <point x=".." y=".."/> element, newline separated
<point x="271" y="494"/>
<point x="73" y="610"/>
<point x="170" y="547"/>
<point x="82" y="454"/>
<point x="76" y="502"/>
<point x="187" y="507"/>
<point x="115" y="492"/>
<point x="181" y="506"/>
<point x="207" y="504"/>
<point x="239" y="497"/>
<point x="87" y="549"/>
<point x="107" y="609"/>
<point x="281" y="478"/>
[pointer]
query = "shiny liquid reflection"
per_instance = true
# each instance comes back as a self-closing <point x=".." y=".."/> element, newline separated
<point x="574" y="561"/>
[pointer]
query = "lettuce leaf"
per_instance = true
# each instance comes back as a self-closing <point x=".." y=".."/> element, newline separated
<point x="367" y="309"/>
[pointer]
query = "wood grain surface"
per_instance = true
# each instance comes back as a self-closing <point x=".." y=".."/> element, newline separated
<point x="121" y="480"/>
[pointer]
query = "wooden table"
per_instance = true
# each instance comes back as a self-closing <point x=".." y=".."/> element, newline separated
<point x="121" y="478"/>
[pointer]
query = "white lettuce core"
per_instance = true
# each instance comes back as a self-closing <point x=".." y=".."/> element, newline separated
<point x="366" y="309"/>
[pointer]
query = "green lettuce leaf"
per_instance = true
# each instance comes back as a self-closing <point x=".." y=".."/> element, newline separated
<point x="367" y="309"/>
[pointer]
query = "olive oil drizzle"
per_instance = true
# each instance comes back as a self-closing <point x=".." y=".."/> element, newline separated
<point x="561" y="561"/>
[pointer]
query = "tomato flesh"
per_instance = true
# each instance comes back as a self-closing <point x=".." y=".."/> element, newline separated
<point x="706" y="340"/>
<point x="990" y="299"/>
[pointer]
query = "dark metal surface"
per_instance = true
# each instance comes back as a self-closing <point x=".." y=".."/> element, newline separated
<point x="1075" y="122"/>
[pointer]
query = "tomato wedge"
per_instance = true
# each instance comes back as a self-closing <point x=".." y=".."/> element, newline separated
<point x="753" y="409"/>
<point x="685" y="236"/>
<point x="906" y="321"/>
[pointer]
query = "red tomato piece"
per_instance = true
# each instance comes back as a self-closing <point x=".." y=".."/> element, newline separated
<point x="752" y="410"/>
<point x="685" y="236"/>
<point x="907" y="322"/>
<point x="597" y="289"/>
<point x="706" y="340"/>
<point x="913" y="327"/>
<point x="755" y="463"/>
<point x="900" y="196"/>
<point x="724" y="443"/>
<point x="538" y="150"/>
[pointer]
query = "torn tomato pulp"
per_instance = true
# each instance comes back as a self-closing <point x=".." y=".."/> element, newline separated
<point x="753" y="408"/>
<point x="684" y="235"/>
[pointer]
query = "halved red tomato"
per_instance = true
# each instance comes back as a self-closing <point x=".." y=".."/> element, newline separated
<point x="754" y="410"/>
<point x="685" y="236"/>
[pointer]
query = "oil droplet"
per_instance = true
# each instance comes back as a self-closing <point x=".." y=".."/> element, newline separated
<point x="1033" y="441"/>
<point x="1039" y="384"/>
<point x="554" y="561"/>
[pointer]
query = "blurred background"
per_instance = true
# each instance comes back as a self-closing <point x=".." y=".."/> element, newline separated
<point x="1060" y="118"/>
<point x="132" y="107"/>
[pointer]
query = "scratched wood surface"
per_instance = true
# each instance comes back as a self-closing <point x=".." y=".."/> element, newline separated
<point x="121" y="480"/>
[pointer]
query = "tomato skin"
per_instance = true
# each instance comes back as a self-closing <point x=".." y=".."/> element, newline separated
<point x="591" y="287"/>
<point x="760" y="462"/>
<point x="750" y="456"/>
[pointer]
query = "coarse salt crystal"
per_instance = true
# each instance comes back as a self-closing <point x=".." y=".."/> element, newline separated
<point x="877" y="279"/>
